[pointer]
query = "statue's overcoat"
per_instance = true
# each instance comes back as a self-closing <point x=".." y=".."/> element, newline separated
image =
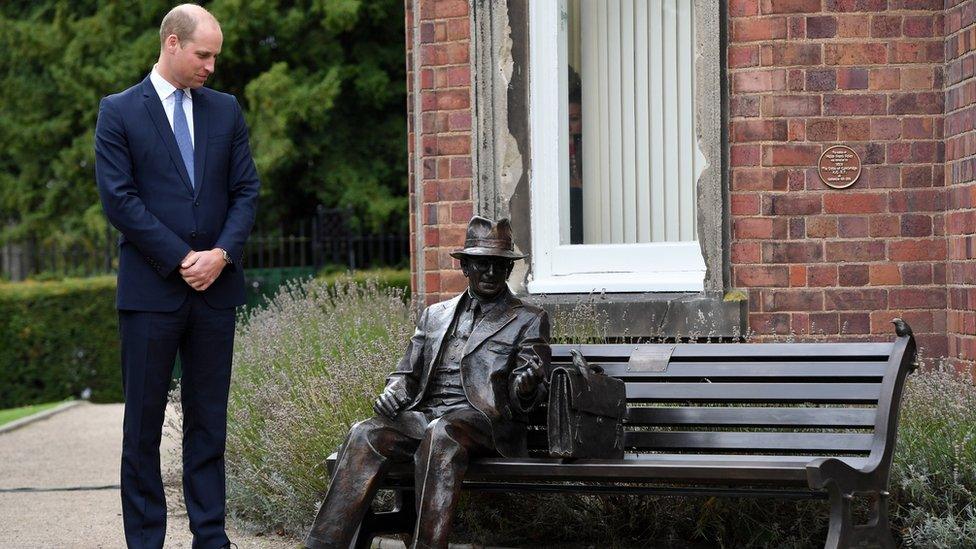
<point x="499" y="349"/>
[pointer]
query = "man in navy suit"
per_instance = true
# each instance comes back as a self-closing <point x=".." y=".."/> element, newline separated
<point x="175" y="176"/>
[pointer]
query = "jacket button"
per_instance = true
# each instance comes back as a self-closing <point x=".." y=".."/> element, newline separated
<point x="193" y="234"/>
<point x="196" y="203"/>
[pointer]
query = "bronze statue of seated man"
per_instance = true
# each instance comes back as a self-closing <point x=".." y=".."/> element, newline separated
<point x="472" y="371"/>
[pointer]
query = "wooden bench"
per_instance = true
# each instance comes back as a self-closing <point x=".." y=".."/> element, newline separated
<point x="788" y="420"/>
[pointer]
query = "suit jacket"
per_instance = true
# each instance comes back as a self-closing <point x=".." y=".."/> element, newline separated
<point x="498" y="350"/>
<point x="147" y="195"/>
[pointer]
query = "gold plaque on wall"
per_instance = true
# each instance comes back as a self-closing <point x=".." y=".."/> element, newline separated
<point x="839" y="166"/>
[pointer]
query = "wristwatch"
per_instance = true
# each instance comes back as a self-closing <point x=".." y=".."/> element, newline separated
<point x="226" y="256"/>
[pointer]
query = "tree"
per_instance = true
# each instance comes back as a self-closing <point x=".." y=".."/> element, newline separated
<point x="322" y="84"/>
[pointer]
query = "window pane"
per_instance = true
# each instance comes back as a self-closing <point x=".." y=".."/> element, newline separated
<point x="632" y="155"/>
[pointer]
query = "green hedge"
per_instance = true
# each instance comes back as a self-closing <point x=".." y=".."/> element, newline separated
<point x="57" y="339"/>
<point x="263" y="283"/>
<point x="398" y="279"/>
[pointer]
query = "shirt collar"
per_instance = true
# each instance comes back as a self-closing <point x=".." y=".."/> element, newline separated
<point x="163" y="88"/>
<point x="485" y="305"/>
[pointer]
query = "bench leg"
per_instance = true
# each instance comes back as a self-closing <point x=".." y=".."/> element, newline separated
<point x="398" y="521"/>
<point x="877" y="529"/>
<point x="841" y="523"/>
<point x="844" y="533"/>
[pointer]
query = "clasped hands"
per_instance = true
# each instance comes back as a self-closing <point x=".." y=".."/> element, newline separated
<point x="389" y="403"/>
<point x="200" y="269"/>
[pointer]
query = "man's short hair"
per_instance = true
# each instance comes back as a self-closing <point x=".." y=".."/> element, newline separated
<point x="182" y="22"/>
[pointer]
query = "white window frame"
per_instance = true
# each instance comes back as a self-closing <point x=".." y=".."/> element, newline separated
<point x="581" y="268"/>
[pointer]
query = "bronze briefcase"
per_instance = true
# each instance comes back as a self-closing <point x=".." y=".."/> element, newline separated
<point x="586" y="412"/>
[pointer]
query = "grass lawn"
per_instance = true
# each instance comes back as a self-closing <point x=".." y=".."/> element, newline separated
<point x="12" y="414"/>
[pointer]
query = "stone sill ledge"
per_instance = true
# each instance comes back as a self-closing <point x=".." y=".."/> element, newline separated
<point x="658" y="315"/>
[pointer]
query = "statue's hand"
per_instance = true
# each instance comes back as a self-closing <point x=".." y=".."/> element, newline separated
<point x="388" y="404"/>
<point x="527" y="381"/>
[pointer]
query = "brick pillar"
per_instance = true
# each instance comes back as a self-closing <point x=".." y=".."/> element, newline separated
<point x="806" y="74"/>
<point x="438" y="47"/>
<point x="960" y="137"/>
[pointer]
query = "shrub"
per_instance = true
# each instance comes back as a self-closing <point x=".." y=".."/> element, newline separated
<point x="307" y="366"/>
<point x="934" y="475"/>
<point x="57" y="339"/>
<point x="383" y="278"/>
<point x="582" y="322"/>
<point x="263" y="283"/>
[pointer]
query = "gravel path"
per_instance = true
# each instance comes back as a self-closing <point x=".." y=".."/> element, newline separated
<point x="70" y="465"/>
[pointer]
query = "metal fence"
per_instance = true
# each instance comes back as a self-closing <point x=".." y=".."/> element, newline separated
<point x="28" y="259"/>
<point x="321" y="241"/>
<point x="353" y="251"/>
<point x="327" y="240"/>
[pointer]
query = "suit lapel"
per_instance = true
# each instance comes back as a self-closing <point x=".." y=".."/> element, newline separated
<point x="442" y="323"/>
<point x="437" y="324"/>
<point x="158" y="116"/>
<point x="499" y="317"/>
<point x="201" y="116"/>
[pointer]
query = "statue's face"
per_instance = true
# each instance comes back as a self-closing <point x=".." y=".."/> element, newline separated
<point x="487" y="275"/>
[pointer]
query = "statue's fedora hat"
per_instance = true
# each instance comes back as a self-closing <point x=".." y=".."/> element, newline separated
<point x="487" y="238"/>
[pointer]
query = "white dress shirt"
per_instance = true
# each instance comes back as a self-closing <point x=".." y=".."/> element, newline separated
<point x="165" y="91"/>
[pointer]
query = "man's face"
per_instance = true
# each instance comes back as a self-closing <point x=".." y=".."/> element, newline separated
<point x="193" y="62"/>
<point x="487" y="275"/>
<point x="575" y="118"/>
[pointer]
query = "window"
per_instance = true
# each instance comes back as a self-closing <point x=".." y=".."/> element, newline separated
<point x="615" y="154"/>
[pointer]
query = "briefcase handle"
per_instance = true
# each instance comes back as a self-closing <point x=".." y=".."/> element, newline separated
<point x="584" y="368"/>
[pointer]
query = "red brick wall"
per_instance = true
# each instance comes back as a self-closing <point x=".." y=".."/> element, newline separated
<point x="805" y="74"/>
<point x="445" y="136"/>
<point x="894" y="79"/>
<point x="960" y="138"/>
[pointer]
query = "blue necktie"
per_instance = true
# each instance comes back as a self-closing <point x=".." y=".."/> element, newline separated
<point x="182" y="131"/>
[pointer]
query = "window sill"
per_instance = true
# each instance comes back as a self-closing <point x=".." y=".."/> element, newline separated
<point x="653" y="315"/>
<point x="588" y="283"/>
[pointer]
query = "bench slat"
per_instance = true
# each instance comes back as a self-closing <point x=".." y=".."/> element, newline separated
<point x="499" y="470"/>
<point x="572" y="487"/>
<point x="732" y="472"/>
<point x="754" y="417"/>
<point x="753" y="441"/>
<point x="749" y="370"/>
<point x="745" y="392"/>
<point x="740" y="351"/>
<point x="729" y="469"/>
<point x="854" y="461"/>
<point x="630" y="457"/>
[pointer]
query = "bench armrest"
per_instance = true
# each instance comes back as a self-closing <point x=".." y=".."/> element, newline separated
<point x="873" y="476"/>
<point x="903" y="361"/>
<point x="823" y="471"/>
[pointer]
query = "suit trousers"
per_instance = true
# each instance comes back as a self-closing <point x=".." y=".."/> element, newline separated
<point x="440" y="450"/>
<point x="204" y="338"/>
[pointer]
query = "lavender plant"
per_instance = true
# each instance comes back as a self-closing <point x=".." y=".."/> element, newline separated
<point x="935" y="461"/>
<point x="306" y="367"/>
<point x="583" y="322"/>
